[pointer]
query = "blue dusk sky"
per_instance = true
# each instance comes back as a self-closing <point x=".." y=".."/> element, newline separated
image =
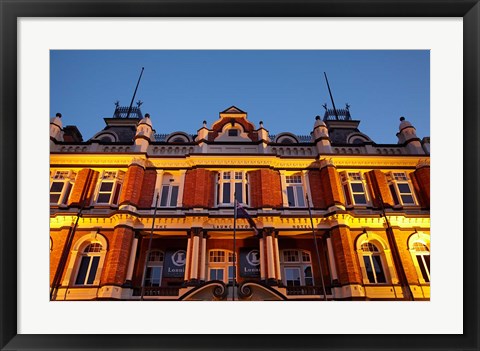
<point x="283" y="88"/>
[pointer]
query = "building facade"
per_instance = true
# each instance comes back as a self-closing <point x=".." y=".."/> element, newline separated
<point x="136" y="215"/>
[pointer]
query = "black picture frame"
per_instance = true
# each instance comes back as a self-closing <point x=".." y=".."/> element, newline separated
<point x="11" y="10"/>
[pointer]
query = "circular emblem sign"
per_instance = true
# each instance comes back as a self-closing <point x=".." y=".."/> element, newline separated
<point x="253" y="258"/>
<point x="178" y="258"/>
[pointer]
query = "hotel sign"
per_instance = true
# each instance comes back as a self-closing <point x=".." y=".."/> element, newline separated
<point x="174" y="264"/>
<point x="249" y="263"/>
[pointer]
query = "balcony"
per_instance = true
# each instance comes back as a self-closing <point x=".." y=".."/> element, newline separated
<point x="307" y="290"/>
<point x="157" y="291"/>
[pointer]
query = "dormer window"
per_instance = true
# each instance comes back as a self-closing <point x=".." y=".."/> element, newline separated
<point x="233" y="132"/>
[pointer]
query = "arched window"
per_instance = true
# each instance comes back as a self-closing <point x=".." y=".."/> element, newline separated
<point x="220" y="265"/>
<point x="297" y="268"/>
<point x="89" y="263"/>
<point x="419" y="246"/>
<point x="373" y="261"/>
<point x="153" y="273"/>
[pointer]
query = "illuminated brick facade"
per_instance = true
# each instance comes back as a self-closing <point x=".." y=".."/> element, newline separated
<point x="139" y="215"/>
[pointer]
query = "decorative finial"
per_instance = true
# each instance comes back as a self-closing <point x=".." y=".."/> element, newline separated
<point x="261" y="124"/>
<point x="139" y="103"/>
<point x="147" y="115"/>
<point x="317" y="118"/>
<point x="325" y="106"/>
<point x="205" y="124"/>
<point x="59" y="115"/>
<point x="402" y="119"/>
<point x="117" y="104"/>
<point x="347" y="106"/>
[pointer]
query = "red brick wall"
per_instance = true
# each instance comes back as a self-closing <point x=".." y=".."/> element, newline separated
<point x="265" y="188"/>
<point x="331" y="186"/>
<point x="346" y="260"/>
<point x="316" y="189"/>
<point x="86" y="179"/>
<point x="58" y="238"/>
<point x="148" y="188"/>
<point x="132" y="185"/>
<point x="117" y="258"/>
<point x="378" y="184"/>
<point x="199" y="188"/>
<point x="422" y="175"/>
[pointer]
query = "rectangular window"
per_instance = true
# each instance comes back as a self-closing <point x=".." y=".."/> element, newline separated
<point x="60" y="187"/>
<point x="401" y="189"/>
<point x="231" y="186"/>
<point x="216" y="274"/>
<point x="110" y="186"/>
<point x="308" y="276"/>
<point x="295" y="194"/>
<point x="292" y="276"/>
<point x="354" y="189"/>
<point x="424" y="264"/>
<point x="153" y="276"/>
<point x="169" y="196"/>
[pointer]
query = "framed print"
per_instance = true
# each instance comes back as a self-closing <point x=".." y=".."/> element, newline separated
<point x="239" y="232"/>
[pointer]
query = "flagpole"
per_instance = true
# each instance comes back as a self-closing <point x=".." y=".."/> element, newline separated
<point x="149" y="247"/>
<point x="316" y="249"/>
<point x="234" y="244"/>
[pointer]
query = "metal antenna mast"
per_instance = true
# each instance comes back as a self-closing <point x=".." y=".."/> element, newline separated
<point x="134" y="93"/>
<point x="331" y="97"/>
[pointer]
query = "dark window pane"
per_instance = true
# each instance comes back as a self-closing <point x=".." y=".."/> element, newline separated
<point x="369" y="269"/>
<point x="357" y="187"/>
<point x="404" y="188"/>
<point x="117" y="194"/>
<point x="67" y="193"/>
<point x="427" y="261"/>
<point x="421" y="264"/>
<point x="239" y="192"/>
<point x="174" y="196"/>
<point x="300" y="198"/>
<point x="377" y="262"/>
<point x="103" y="198"/>
<point x="163" y="200"/>
<point x="291" y="198"/>
<point x="233" y="132"/>
<point x="230" y="274"/>
<point x="93" y="270"/>
<point x="106" y="186"/>
<point x="226" y="193"/>
<point x="347" y="194"/>
<point x="219" y="274"/>
<point x="54" y="198"/>
<point x="246" y="194"/>
<point x="394" y="194"/>
<point x="82" y="271"/>
<point x="407" y="199"/>
<point x="56" y="187"/>
<point x="360" y="199"/>
<point x="308" y="276"/>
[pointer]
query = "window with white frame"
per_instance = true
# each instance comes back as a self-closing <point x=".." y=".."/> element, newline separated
<point x="401" y="189"/>
<point x="295" y="192"/>
<point x="373" y="263"/>
<point x="88" y="265"/>
<point x="220" y="265"/>
<point x="109" y="188"/>
<point x="60" y="186"/>
<point x="421" y="255"/>
<point x="154" y="270"/>
<point x="354" y="189"/>
<point x="297" y="268"/>
<point x="231" y="186"/>
<point x="169" y="193"/>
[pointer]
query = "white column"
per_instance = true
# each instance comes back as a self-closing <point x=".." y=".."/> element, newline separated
<point x="181" y="186"/>
<point x="194" y="271"/>
<point x="131" y="261"/>
<point x="203" y="258"/>
<point x="277" y="260"/>
<point x="262" y="259"/>
<point x="271" y="261"/>
<point x="158" y="186"/>
<point x="189" y="255"/>
<point x="283" y="180"/>
<point x="331" y="259"/>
